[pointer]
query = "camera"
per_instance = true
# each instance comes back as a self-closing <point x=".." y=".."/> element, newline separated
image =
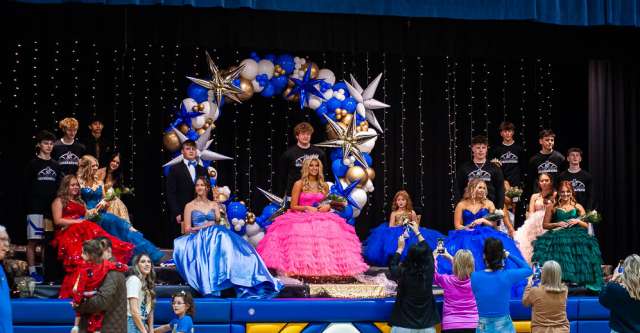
<point x="440" y="247"/>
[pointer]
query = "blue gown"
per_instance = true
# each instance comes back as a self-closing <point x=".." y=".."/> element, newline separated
<point x="215" y="258"/>
<point x="383" y="242"/>
<point x="119" y="227"/>
<point x="473" y="240"/>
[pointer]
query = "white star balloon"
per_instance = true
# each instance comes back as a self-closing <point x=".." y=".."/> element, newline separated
<point x="201" y="145"/>
<point x="365" y="97"/>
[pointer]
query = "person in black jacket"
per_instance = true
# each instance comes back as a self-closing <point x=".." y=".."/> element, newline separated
<point x="480" y="168"/>
<point x="180" y="184"/>
<point x="415" y="308"/>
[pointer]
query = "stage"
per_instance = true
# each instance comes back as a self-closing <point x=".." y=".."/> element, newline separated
<point x="289" y="315"/>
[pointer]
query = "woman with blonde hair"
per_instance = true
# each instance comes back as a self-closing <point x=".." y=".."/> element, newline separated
<point x="459" y="312"/>
<point x="548" y="301"/>
<point x="310" y="240"/>
<point x="67" y="150"/>
<point x="622" y="297"/>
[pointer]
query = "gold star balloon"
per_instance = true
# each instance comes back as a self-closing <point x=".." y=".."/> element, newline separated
<point x="221" y="84"/>
<point x="348" y="140"/>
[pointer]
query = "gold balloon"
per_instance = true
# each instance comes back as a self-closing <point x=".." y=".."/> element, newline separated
<point x="205" y="126"/>
<point x="371" y="174"/>
<point x="213" y="173"/>
<point x="357" y="173"/>
<point x="200" y="131"/>
<point x="314" y="69"/>
<point x="250" y="218"/>
<point x="209" y="121"/>
<point x="171" y="141"/>
<point x="347" y="119"/>
<point x="184" y="128"/>
<point x="292" y="98"/>
<point x="343" y="112"/>
<point x="331" y="135"/>
<point x="247" y="90"/>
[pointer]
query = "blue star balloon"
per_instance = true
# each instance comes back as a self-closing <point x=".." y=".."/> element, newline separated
<point x="305" y="87"/>
<point x="345" y="191"/>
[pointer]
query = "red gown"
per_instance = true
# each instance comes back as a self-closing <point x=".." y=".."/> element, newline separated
<point x="69" y="242"/>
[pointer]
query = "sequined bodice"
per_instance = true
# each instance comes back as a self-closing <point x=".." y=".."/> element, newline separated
<point x="468" y="216"/>
<point x="199" y="218"/>
<point x="310" y="198"/>
<point x="562" y="215"/>
<point x="91" y="196"/>
<point x="73" y="210"/>
<point x="400" y="217"/>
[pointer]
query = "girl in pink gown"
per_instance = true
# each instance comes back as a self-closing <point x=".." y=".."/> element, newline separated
<point x="309" y="240"/>
<point x="532" y="226"/>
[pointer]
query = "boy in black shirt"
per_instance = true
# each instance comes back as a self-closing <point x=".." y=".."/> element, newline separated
<point x="508" y="155"/>
<point x="479" y="168"/>
<point x="67" y="151"/>
<point x="42" y="180"/>
<point x="546" y="160"/>
<point x="580" y="179"/>
<point x="97" y="145"/>
<point x="291" y="160"/>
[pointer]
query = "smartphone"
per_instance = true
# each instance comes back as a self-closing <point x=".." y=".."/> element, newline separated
<point x="537" y="272"/>
<point x="440" y="246"/>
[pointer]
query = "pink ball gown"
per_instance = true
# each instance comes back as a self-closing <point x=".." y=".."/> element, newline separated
<point x="312" y="244"/>
<point x="530" y="229"/>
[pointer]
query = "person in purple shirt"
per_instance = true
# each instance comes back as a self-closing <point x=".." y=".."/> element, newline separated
<point x="460" y="313"/>
<point x="492" y="287"/>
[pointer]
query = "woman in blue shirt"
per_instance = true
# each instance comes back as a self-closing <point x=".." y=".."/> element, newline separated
<point x="492" y="287"/>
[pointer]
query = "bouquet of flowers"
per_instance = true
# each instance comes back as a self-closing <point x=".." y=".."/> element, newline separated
<point x="336" y="202"/>
<point x="514" y="193"/>
<point x="113" y="193"/>
<point x="592" y="217"/>
<point x="498" y="214"/>
<point x="92" y="215"/>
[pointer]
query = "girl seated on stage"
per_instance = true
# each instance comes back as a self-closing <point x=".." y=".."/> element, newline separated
<point x="382" y="242"/>
<point x="309" y="240"/>
<point x="472" y="229"/>
<point x="567" y="241"/>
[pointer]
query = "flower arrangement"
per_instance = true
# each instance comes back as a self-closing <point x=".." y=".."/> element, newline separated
<point x="514" y="193"/>
<point x="592" y="217"/>
<point x="498" y="214"/>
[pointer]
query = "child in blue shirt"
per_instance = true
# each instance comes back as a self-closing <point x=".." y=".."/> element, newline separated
<point x="183" y="307"/>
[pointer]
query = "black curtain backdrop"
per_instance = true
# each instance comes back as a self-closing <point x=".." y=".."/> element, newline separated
<point x="127" y="66"/>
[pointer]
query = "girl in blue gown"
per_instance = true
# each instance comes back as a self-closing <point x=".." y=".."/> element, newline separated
<point x="212" y="258"/>
<point x="92" y="193"/>
<point x="383" y="241"/>
<point x="472" y="229"/>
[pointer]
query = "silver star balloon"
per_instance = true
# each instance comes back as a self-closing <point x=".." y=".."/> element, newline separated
<point x="283" y="203"/>
<point x="202" y="144"/>
<point x="347" y="139"/>
<point x="221" y="83"/>
<point x="365" y="96"/>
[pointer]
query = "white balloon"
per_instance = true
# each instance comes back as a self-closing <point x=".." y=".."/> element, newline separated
<point x="237" y="227"/>
<point x="198" y="122"/>
<point x="256" y="86"/>
<point x="361" y="110"/>
<point x="189" y="104"/>
<point x="253" y="229"/>
<point x="328" y="94"/>
<point x="314" y="102"/>
<point x="266" y="67"/>
<point x="367" y="147"/>
<point x="255" y="239"/>
<point x="327" y="75"/>
<point x="369" y="186"/>
<point x="214" y="113"/>
<point x="356" y="212"/>
<point x="250" y="69"/>
<point x="359" y="196"/>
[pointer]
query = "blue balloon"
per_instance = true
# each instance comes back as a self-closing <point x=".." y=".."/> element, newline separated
<point x="346" y="212"/>
<point x="262" y="79"/>
<point x="192" y="135"/>
<point x="286" y="62"/>
<point x="351" y="221"/>
<point x="236" y="210"/>
<point x="332" y="104"/>
<point x="320" y="112"/>
<point x="212" y="182"/>
<point x="324" y="86"/>
<point x="359" y="118"/>
<point x="349" y="104"/>
<point x="268" y="90"/>
<point x="267" y="211"/>
<point x="336" y="154"/>
<point x="279" y="82"/>
<point x="166" y="169"/>
<point x="197" y="92"/>
<point x="367" y="158"/>
<point x="254" y="56"/>
<point x="343" y="86"/>
<point x="338" y="168"/>
<point x="270" y="57"/>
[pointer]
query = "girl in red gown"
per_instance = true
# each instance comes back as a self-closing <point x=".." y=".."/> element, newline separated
<point x="68" y="214"/>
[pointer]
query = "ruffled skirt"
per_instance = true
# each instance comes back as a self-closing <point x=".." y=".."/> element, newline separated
<point x="383" y="242"/>
<point x="528" y="233"/>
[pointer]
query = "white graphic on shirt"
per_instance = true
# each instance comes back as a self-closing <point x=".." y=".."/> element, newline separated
<point x="479" y="174"/>
<point x="301" y="159"/>
<point x="547" y="167"/>
<point x="47" y="174"/>
<point x="509" y="158"/>
<point x="68" y="158"/>
<point x="578" y="186"/>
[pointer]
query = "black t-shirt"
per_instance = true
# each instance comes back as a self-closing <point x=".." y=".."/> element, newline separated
<point x="511" y="158"/>
<point x="99" y="148"/>
<point x="291" y="164"/>
<point x="42" y="178"/>
<point x="581" y="182"/>
<point x="68" y="156"/>
<point x="551" y="163"/>
<point x="489" y="172"/>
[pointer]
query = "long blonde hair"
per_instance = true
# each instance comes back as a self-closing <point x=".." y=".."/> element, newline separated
<point x="631" y="276"/>
<point x="305" y="175"/>
<point x="472" y="186"/>
<point x="85" y="172"/>
<point x="551" y="278"/>
<point x="463" y="264"/>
